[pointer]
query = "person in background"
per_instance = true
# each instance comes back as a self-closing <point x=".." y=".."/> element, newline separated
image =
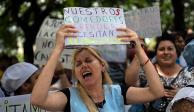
<point x="180" y="44"/>
<point x="117" y="71"/>
<point x="183" y="100"/>
<point x="94" y="91"/>
<point x="19" y="79"/>
<point x="134" y="72"/>
<point x="134" y="67"/>
<point x="61" y="79"/>
<point x="189" y="35"/>
<point x="172" y="75"/>
<point x="188" y="53"/>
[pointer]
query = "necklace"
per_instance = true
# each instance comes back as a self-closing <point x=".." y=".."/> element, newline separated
<point x="100" y="104"/>
<point x="99" y="101"/>
<point x="170" y="74"/>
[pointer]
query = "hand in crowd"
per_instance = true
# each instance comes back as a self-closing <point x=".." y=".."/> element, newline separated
<point x="170" y="93"/>
<point x="63" y="32"/>
<point x="130" y="36"/>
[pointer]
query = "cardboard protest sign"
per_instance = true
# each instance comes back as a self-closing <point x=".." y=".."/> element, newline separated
<point x="113" y="53"/>
<point x="44" y="48"/>
<point x="45" y="42"/>
<point x="19" y="103"/>
<point x="49" y="27"/>
<point x="97" y="26"/>
<point x="146" y="21"/>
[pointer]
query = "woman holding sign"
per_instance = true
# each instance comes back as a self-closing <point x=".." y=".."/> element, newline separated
<point x="94" y="91"/>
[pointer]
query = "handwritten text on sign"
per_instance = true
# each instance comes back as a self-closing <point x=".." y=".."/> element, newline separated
<point x="96" y="26"/>
<point x="49" y="27"/>
<point x="45" y="42"/>
<point x="45" y="46"/>
<point x="19" y="103"/>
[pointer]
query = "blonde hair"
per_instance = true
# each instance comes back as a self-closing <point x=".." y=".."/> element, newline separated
<point x="105" y="77"/>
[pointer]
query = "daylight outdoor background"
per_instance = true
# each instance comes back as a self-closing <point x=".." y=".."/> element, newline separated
<point x="20" y="20"/>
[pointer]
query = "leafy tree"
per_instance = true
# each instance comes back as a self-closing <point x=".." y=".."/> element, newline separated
<point x="22" y="18"/>
<point x="178" y="6"/>
<point x="26" y="16"/>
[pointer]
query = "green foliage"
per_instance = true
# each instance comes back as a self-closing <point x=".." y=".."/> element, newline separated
<point x="8" y="36"/>
<point x="166" y="15"/>
<point x="189" y="13"/>
<point x="23" y="18"/>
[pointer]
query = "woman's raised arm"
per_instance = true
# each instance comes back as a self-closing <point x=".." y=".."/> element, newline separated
<point x="155" y="89"/>
<point x="40" y="95"/>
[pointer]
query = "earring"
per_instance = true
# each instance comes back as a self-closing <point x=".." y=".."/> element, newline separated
<point x="103" y="70"/>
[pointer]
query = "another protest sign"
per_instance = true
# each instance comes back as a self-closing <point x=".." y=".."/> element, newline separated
<point x="45" y="42"/>
<point x="19" y="103"/>
<point x="113" y="53"/>
<point x="146" y="21"/>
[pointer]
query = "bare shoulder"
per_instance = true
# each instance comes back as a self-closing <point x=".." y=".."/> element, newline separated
<point x="56" y="101"/>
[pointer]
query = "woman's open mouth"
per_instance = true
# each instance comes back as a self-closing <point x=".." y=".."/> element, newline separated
<point x="86" y="74"/>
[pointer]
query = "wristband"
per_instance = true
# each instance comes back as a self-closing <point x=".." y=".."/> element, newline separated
<point x="145" y="62"/>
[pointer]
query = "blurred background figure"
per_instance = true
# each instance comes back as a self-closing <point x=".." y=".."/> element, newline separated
<point x="188" y="53"/>
<point x="172" y="75"/>
<point x="189" y="35"/>
<point x="19" y="79"/>
<point x="179" y="41"/>
<point x="134" y="72"/>
<point x="117" y="71"/>
<point x="180" y="44"/>
<point x="62" y="78"/>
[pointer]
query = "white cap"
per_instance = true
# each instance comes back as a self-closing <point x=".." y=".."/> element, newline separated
<point x="185" y="92"/>
<point x="15" y="75"/>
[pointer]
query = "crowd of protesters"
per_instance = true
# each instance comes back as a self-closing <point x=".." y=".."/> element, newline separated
<point x="150" y="84"/>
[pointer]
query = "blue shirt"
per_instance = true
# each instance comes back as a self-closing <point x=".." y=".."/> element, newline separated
<point x="113" y="97"/>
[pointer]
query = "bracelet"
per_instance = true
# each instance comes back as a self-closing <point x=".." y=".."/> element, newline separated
<point x="145" y="62"/>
